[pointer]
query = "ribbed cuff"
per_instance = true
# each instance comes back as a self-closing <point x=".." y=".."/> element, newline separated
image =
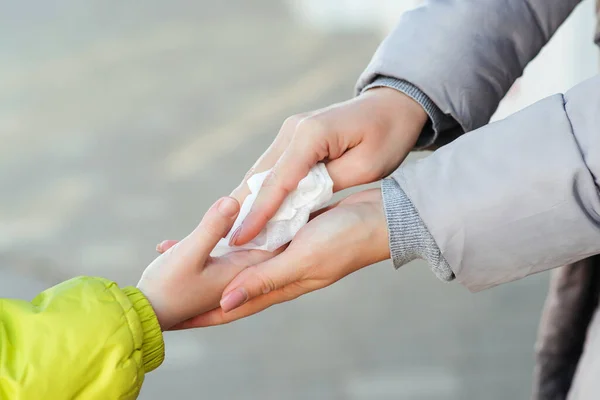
<point x="438" y="121"/>
<point x="153" y="346"/>
<point x="409" y="237"/>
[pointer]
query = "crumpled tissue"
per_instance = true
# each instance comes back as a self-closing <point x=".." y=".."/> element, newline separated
<point x="312" y="193"/>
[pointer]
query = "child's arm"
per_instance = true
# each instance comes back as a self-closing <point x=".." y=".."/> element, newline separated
<point x="88" y="339"/>
<point x="84" y="338"/>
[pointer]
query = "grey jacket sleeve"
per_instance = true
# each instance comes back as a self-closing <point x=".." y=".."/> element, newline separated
<point x="515" y="197"/>
<point x="465" y="54"/>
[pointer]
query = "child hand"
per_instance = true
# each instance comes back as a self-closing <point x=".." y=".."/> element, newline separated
<point x="185" y="281"/>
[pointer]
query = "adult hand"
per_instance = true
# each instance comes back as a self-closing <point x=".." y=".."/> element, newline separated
<point x="362" y="140"/>
<point x="346" y="237"/>
<point x="185" y="281"/>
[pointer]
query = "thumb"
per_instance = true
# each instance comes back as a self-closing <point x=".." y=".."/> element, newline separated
<point x="261" y="279"/>
<point x="214" y="226"/>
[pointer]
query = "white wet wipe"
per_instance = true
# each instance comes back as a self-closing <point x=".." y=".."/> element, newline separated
<point x="312" y="193"/>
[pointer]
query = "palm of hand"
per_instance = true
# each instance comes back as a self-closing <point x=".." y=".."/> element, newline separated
<point x="342" y="239"/>
<point x="181" y="287"/>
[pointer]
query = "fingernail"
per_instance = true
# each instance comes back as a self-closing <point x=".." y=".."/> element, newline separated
<point x="228" y="206"/>
<point x="234" y="236"/>
<point x="159" y="247"/>
<point x="234" y="299"/>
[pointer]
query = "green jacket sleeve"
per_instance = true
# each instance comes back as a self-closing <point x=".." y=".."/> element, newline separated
<point x="83" y="339"/>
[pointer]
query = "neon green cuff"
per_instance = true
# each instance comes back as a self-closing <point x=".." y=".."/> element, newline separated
<point x="153" y="346"/>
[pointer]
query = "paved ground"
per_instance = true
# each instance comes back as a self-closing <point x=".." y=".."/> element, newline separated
<point x="121" y="122"/>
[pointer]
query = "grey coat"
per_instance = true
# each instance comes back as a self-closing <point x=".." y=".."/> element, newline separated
<point x="514" y="197"/>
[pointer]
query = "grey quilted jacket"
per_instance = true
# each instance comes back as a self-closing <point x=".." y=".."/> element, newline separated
<point x="511" y="198"/>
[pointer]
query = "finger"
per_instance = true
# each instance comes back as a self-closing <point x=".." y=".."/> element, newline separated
<point x="269" y="158"/>
<point x="262" y="279"/>
<point x="302" y="154"/>
<point x="165" y="245"/>
<point x="266" y="161"/>
<point x="219" y="317"/>
<point x="352" y="170"/>
<point x="214" y="225"/>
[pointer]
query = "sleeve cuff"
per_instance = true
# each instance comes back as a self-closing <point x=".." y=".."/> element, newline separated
<point x="438" y="121"/>
<point x="409" y="237"/>
<point x="153" y="347"/>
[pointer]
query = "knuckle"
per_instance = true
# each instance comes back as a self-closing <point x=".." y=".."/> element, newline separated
<point x="293" y="121"/>
<point x="271" y="178"/>
<point x="249" y="173"/>
<point x="313" y="135"/>
<point x="213" y="227"/>
<point x="265" y="282"/>
<point x="265" y="216"/>
<point x="311" y="127"/>
<point x="286" y="132"/>
<point x="274" y="181"/>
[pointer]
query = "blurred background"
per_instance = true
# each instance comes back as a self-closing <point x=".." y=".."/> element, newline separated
<point x="122" y="122"/>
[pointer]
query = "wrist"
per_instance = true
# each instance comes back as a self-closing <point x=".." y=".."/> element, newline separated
<point x="155" y="304"/>
<point x="382" y="247"/>
<point x="375" y="241"/>
<point x="400" y="109"/>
